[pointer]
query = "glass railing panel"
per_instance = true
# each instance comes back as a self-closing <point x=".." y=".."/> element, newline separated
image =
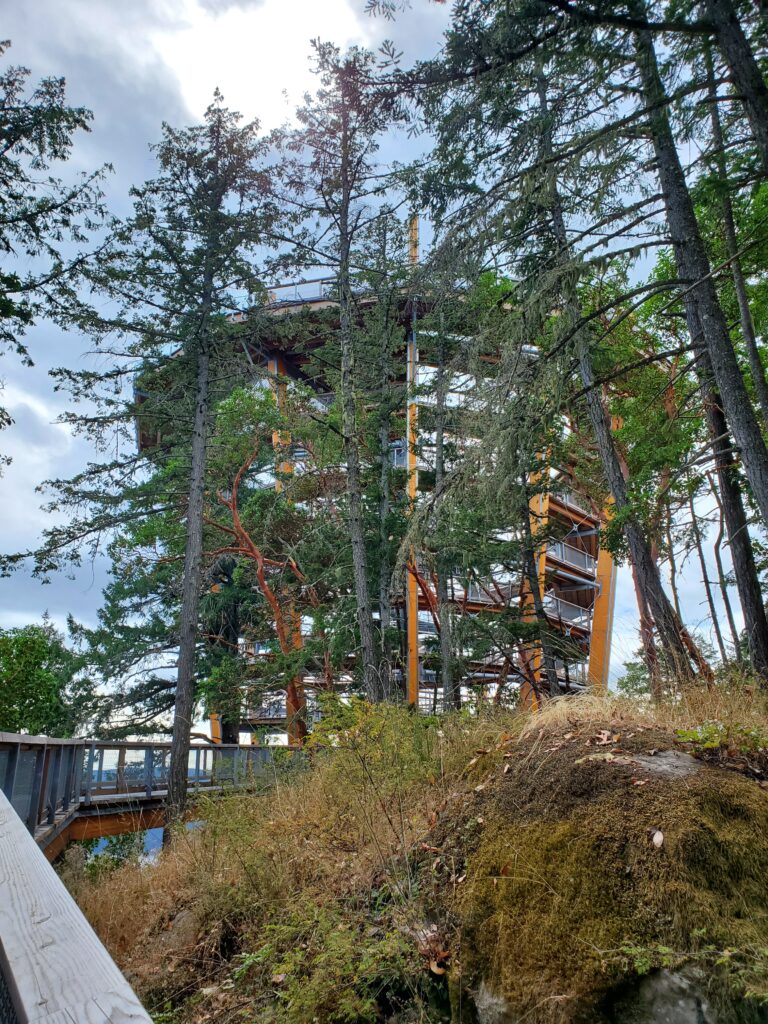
<point x="572" y="556"/>
<point x="567" y="611"/>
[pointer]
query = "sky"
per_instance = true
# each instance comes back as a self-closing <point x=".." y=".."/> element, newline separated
<point x="135" y="64"/>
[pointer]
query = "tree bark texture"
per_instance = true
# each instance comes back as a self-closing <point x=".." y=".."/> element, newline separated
<point x="732" y="248"/>
<point x="717" y="549"/>
<point x="745" y="71"/>
<point x="697" y="539"/>
<point x="702" y="306"/>
<point x="190" y="595"/>
<point x="734" y="512"/>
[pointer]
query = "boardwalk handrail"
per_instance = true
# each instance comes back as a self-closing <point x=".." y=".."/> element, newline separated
<point x="53" y="968"/>
<point x="49" y="781"/>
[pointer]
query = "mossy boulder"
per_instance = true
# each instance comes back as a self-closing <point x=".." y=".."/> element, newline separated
<point x="609" y="878"/>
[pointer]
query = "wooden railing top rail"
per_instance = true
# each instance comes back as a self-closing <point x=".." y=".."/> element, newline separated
<point x="54" y="967"/>
<point x="51" y="741"/>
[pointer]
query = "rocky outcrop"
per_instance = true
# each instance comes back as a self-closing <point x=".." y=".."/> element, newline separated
<point x="610" y="878"/>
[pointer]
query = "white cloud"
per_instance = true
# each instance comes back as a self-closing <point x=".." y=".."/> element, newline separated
<point x="19" y="619"/>
<point x="254" y="55"/>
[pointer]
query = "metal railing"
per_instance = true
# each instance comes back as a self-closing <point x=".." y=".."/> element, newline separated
<point x="48" y="779"/>
<point x="576" y="672"/>
<point x="275" y="711"/>
<point x="303" y="291"/>
<point x="574" y="500"/>
<point x="572" y="556"/>
<point x="559" y="608"/>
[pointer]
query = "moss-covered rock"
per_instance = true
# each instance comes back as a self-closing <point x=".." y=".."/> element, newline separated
<point x="593" y="862"/>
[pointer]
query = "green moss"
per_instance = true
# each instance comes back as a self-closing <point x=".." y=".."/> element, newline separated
<point x="715" y="735"/>
<point x="565" y="898"/>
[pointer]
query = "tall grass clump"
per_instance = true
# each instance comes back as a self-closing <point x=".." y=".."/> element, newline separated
<point x="401" y="866"/>
<point x="302" y="899"/>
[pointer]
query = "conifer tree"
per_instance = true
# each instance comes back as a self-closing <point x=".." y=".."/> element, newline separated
<point x="338" y="184"/>
<point x="171" y="274"/>
<point x="44" y="221"/>
<point x="486" y="132"/>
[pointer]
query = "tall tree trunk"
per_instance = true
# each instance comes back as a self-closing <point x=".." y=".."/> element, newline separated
<point x="647" y="638"/>
<point x="647" y="641"/>
<point x="672" y="563"/>
<point x="295" y="695"/>
<point x="732" y="248"/>
<point x="371" y="676"/>
<point x="717" y="549"/>
<point x="190" y="594"/>
<point x="385" y="569"/>
<point x="531" y="572"/>
<point x="700" y="296"/>
<point x="385" y="566"/>
<point x="705" y="579"/>
<point x="742" y="554"/>
<point x="227" y="641"/>
<point x="667" y="622"/>
<point x="744" y="69"/>
<point x="451" y="692"/>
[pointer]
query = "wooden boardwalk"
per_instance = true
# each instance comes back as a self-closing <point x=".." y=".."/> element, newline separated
<point x="53" y="968"/>
<point x="83" y="788"/>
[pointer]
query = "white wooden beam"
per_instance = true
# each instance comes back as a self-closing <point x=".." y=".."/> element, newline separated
<point x="56" y="969"/>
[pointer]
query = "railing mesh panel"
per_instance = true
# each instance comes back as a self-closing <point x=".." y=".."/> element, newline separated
<point x="7" y="1009"/>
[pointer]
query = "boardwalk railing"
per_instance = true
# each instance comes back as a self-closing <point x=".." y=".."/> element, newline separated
<point x="53" y="969"/>
<point x="48" y="781"/>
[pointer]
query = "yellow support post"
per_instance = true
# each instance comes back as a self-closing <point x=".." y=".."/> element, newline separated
<point x="412" y="586"/>
<point x="602" y="622"/>
<point x="601" y="634"/>
<point x="412" y="422"/>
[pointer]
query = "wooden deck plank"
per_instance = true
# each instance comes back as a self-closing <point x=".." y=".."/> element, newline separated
<point x="57" y="969"/>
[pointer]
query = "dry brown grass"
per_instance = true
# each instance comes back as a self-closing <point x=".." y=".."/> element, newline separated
<point x="339" y="842"/>
<point x="737" y="704"/>
<point x="345" y="828"/>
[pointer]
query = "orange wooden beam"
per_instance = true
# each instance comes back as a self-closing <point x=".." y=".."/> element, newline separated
<point x="99" y="826"/>
<point x="602" y="622"/>
<point x="412" y="584"/>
